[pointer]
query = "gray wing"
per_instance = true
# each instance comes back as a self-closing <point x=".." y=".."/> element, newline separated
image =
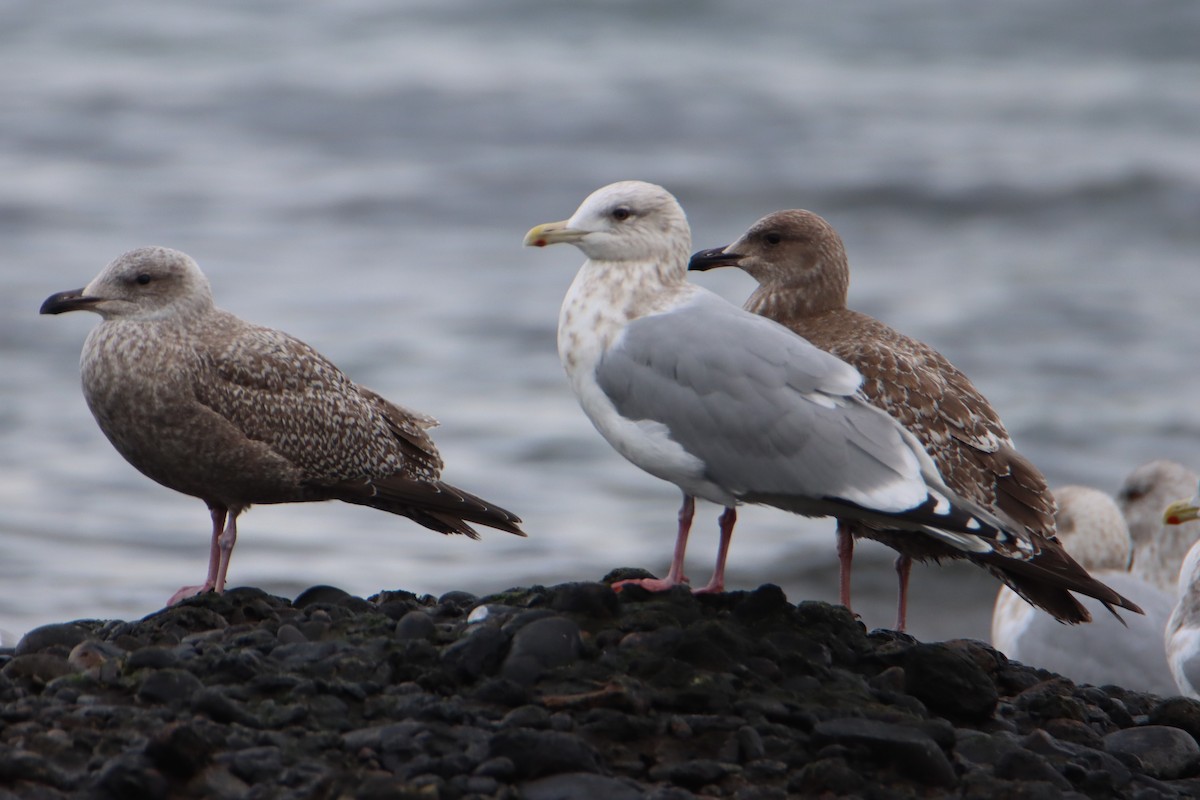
<point x="767" y="413"/>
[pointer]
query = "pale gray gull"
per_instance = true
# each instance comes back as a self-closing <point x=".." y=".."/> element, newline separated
<point x="800" y="263"/>
<point x="234" y="413"/>
<point x="1182" y="636"/>
<point x="728" y="405"/>
<point x="1159" y="546"/>
<point x="1131" y="655"/>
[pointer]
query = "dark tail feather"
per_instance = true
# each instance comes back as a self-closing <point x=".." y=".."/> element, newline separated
<point x="435" y="504"/>
<point x="1048" y="579"/>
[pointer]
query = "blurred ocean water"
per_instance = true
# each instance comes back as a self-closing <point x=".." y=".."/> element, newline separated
<point x="1018" y="185"/>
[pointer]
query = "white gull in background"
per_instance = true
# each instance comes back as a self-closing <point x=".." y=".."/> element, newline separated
<point x="234" y="413"/>
<point x="1159" y="547"/>
<point x="800" y="263"/>
<point x="728" y="405"/>
<point x="1183" y="629"/>
<point x="1093" y="530"/>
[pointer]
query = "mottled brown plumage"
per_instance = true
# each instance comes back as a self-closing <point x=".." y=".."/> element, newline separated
<point x="800" y="264"/>
<point x="234" y="413"/>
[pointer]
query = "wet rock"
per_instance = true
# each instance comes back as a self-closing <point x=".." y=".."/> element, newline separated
<point x="949" y="683"/>
<point x="536" y="753"/>
<point x="539" y="646"/>
<point x="913" y="752"/>
<point x="170" y="687"/>
<point x="415" y="625"/>
<point x="479" y="653"/>
<point x="56" y="639"/>
<point x="37" y="669"/>
<point x="579" y="786"/>
<point x="1164" y="752"/>
<point x="179" y="750"/>
<point x="1177" y="712"/>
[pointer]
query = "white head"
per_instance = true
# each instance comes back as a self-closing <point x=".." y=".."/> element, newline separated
<point x="143" y="284"/>
<point x="625" y="221"/>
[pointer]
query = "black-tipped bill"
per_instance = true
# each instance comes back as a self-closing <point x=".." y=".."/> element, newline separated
<point x="71" y="300"/>
<point x="716" y="257"/>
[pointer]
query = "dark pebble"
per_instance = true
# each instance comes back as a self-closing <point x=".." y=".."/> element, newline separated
<point x="913" y="751"/>
<point x="57" y="639"/>
<point x="541" y="645"/>
<point x="948" y="682"/>
<point x="1164" y="752"/>
<point x="478" y="653"/>
<point x="593" y="600"/>
<point x="37" y="669"/>
<point x="537" y="753"/>
<point x="415" y="625"/>
<point x="579" y="786"/>
<point x="169" y="687"/>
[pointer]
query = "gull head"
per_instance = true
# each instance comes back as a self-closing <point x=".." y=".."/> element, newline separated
<point x="143" y="284"/>
<point x="625" y="221"/>
<point x="786" y="247"/>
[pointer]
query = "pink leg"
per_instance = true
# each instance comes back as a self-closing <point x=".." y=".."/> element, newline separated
<point x="903" y="568"/>
<point x="218" y="514"/>
<point x="717" y="584"/>
<point x="845" y="552"/>
<point x="675" y="575"/>
<point x="226" y="542"/>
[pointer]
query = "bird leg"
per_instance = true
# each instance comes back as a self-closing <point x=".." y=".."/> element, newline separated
<point x="845" y="553"/>
<point x="226" y="542"/>
<point x="903" y="568"/>
<point x="717" y="584"/>
<point x="218" y="514"/>
<point x="675" y="575"/>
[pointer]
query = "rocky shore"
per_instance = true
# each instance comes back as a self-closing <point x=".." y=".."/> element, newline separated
<point x="557" y="693"/>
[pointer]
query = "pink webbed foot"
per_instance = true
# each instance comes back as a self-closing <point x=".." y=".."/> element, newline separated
<point x="650" y="584"/>
<point x="713" y="587"/>
<point x="189" y="591"/>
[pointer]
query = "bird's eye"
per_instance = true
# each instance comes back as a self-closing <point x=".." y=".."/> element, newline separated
<point x="621" y="213"/>
<point x="143" y="279"/>
<point x="773" y="238"/>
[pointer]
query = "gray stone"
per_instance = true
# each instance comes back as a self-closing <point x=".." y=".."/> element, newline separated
<point x="1164" y="752"/>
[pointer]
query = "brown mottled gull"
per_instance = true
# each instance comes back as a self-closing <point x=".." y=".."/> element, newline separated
<point x="728" y="405"/>
<point x="800" y="264"/>
<point x="234" y="413"/>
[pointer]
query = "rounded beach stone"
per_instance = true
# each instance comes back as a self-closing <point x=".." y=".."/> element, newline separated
<point x="1164" y="752"/>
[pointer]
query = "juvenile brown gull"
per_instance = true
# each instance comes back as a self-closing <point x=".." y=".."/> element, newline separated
<point x="234" y="413"/>
<point x="1094" y="532"/>
<point x="800" y="264"/>
<point x="727" y="405"/>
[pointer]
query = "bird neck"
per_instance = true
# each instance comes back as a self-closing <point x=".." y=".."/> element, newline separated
<point x="805" y="295"/>
<point x="605" y="296"/>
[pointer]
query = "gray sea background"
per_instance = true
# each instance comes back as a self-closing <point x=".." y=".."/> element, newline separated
<point x="1018" y="184"/>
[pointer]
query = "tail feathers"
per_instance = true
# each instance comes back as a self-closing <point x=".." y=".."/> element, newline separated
<point x="1047" y="579"/>
<point x="435" y="504"/>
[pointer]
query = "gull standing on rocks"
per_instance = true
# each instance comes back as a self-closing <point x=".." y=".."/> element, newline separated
<point x="727" y="405"/>
<point x="234" y="413"/>
<point x="1182" y="636"/>
<point x="800" y="263"/>
<point x="1126" y="653"/>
